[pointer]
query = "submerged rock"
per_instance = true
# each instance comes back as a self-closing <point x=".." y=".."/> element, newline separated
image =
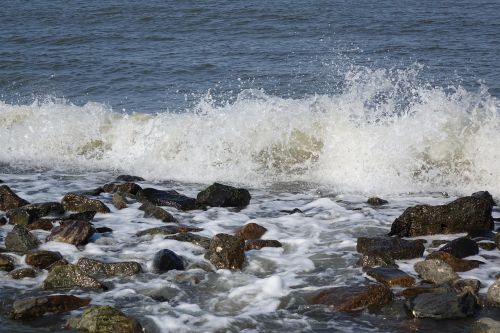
<point x="168" y="230"/>
<point x="226" y="251"/>
<point x="79" y="203"/>
<point x="219" y="195"/>
<point x="395" y="248"/>
<point x="119" y="200"/>
<point x="130" y="188"/>
<point x="250" y="231"/>
<point x="391" y="276"/>
<point x="202" y="241"/>
<point x="435" y="271"/>
<point x="458" y="265"/>
<point x="350" y="299"/>
<point x="467" y="214"/>
<point x="10" y="200"/>
<point x="375" y="201"/>
<point x="151" y="210"/>
<point x="442" y="305"/>
<point x="75" y="232"/>
<point x="70" y="276"/>
<point x="6" y="263"/>
<point x="31" y="308"/>
<point x="104" y="319"/>
<point x="166" y="260"/>
<point x="20" y="240"/>
<point x="257" y="244"/>
<point x="166" y="198"/>
<point x="42" y="259"/>
<point x="22" y="273"/>
<point x="461" y="247"/>
<point x="95" y="268"/>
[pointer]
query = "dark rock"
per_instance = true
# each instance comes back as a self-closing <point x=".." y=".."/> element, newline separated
<point x="493" y="295"/>
<point x="350" y="299"/>
<point x="425" y="289"/>
<point x="41" y="224"/>
<point x="166" y="198"/>
<point x="497" y="240"/>
<point x="129" y="178"/>
<point x="168" y="230"/>
<point x="461" y="247"/>
<point x="257" y="244"/>
<point x="391" y="276"/>
<point x="72" y="232"/>
<point x="202" y="241"/>
<point x="119" y="201"/>
<point x="485" y="195"/>
<point x="42" y="259"/>
<point x="84" y="216"/>
<point x="486" y="325"/>
<point x="465" y="214"/>
<point x="130" y="188"/>
<point x="226" y="251"/>
<point x="374" y="260"/>
<point x="463" y="285"/>
<point x="58" y="263"/>
<point x="79" y="203"/>
<point x="32" y="308"/>
<point x="6" y="263"/>
<point x="442" y="305"/>
<point x="95" y="268"/>
<point x="219" y="195"/>
<point x="487" y="246"/>
<point x="3" y="220"/>
<point x="250" y="231"/>
<point x="10" y="200"/>
<point x="22" y="273"/>
<point x="151" y="210"/>
<point x="104" y="319"/>
<point x="435" y="271"/>
<point x="20" y="240"/>
<point x="68" y="277"/>
<point x="166" y="260"/>
<point x="375" y="201"/>
<point x="482" y="235"/>
<point x="293" y="211"/>
<point x="395" y="248"/>
<point x="458" y="265"/>
<point x="439" y="242"/>
<point x="103" y="230"/>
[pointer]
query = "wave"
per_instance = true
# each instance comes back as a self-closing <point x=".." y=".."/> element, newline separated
<point x="386" y="132"/>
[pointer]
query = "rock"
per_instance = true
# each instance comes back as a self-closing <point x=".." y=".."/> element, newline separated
<point x="79" y="203"/>
<point x="374" y="260"/>
<point x="250" y="231"/>
<point x="10" y="200"/>
<point x="92" y="192"/>
<point x="424" y="289"/>
<point x="168" y="230"/>
<point x="439" y="242"/>
<point x="395" y="248"/>
<point x="458" y="265"/>
<point x="391" y="276"/>
<point x="21" y="240"/>
<point x="119" y="200"/>
<point x="42" y="259"/>
<point x="463" y="285"/>
<point x="375" y="201"/>
<point x="226" y="251"/>
<point x="31" y="308"/>
<point x="435" y="271"/>
<point x="493" y="295"/>
<point x="6" y="263"/>
<point x="72" y="232"/>
<point x="461" y="247"/>
<point x="130" y="188"/>
<point x="257" y="244"/>
<point x="104" y="319"/>
<point x="485" y="195"/>
<point x="465" y="214"/>
<point x="157" y="212"/>
<point x="129" y="178"/>
<point x="68" y="277"/>
<point x="84" y="216"/>
<point x="202" y="241"/>
<point x="219" y="195"/>
<point x="58" y="263"/>
<point x="103" y="230"/>
<point x="166" y="198"/>
<point x="442" y="305"/>
<point x="348" y="299"/>
<point x="486" y="325"/>
<point x="487" y="246"/>
<point x="22" y="273"/>
<point x="482" y="235"/>
<point x="166" y="260"/>
<point x="29" y="213"/>
<point x="95" y="268"/>
<point x="19" y="216"/>
<point x="3" y="220"/>
<point x="41" y="224"/>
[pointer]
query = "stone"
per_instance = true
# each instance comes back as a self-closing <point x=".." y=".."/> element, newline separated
<point x="22" y="273"/>
<point x="435" y="271"/>
<point x="70" y="276"/>
<point x="166" y="198"/>
<point x="41" y="224"/>
<point x="84" y="216"/>
<point x="226" y="252"/>
<point x="79" y="203"/>
<point x="27" y="214"/>
<point x="391" y="276"/>
<point x="219" y="195"/>
<point x="465" y="214"/>
<point x="95" y="268"/>
<point x="104" y="319"/>
<point x="377" y="259"/>
<point x="257" y="244"/>
<point x="424" y="289"/>
<point x="3" y="220"/>
<point x="58" y="263"/>
<point x="129" y="178"/>
<point x="250" y="231"/>
<point x="76" y="232"/>
<point x="202" y="241"/>
<point x="6" y="263"/>
<point x="486" y="325"/>
<point x="439" y="242"/>
<point x="349" y="299"/>
<point x="461" y="247"/>
<point x="42" y="259"/>
<point x="375" y="201"/>
<point x="151" y="210"/>
<point x="442" y="305"/>
<point x="487" y="246"/>
<point x="168" y="230"/>
<point x="395" y="248"/>
<point x="10" y="200"/>
<point x="166" y="260"/>
<point x="462" y="285"/>
<point x="485" y="195"/>
<point x="458" y="265"/>
<point x="493" y="294"/>
<point x="482" y="235"/>
<point x="21" y="240"/>
<point x="103" y="230"/>
<point x="31" y="308"/>
<point x="119" y="201"/>
<point x="92" y="192"/>
<point x="130" y="188"/>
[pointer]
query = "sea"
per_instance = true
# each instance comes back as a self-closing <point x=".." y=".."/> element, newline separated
<point x="312" y="104"/>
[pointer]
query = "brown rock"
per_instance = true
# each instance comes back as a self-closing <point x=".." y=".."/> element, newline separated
<point x="6" y="263"/>
<point x="151" y="210"/>
<point x="22" y="273"/>
<point x="10" y="200"/>
<point x="375" y="201"/>
<point x="251" y="231"/>
<point x="72" y="232"/>
<point x="458" y="265"/>
<point x="79" y="203"/>
<point x="391" y="276"/>
<point x="350" y="299"/>
<point x="42" y="259"/>
<point x="417" y="290"/>
<point x="226" y="251"/>
<point x="257" y="244"/>
<point x="32" y="308"/>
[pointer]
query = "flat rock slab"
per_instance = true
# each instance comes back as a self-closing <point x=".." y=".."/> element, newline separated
<point x="79" y="203"/>
<point x="395" y="248"/>
<point x="95" y="268"/>
<point x="70" y="276"/>
<point x="31" y="308"/>
<point x="219" y="195"/>
<point x="104" y="319"/>
<point x="348" y="299"/>
<point x="168" y="230"/>
<point x="442" y="305"/>
<point x="391" y="276"/>
<point x="458" y="265"/>
<point x="166" y="198"/>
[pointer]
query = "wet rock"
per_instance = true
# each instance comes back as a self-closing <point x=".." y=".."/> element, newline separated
<point x="58" y="263"/>
<point x="462" y="215"/>
<point x="95" y="268"/>
<point x="482" y="235"/>
<point x="202" y="241"/>
<point x="439" y="242"/>
<point x="250" y="231"/>
<point x="41" y="224"/>
<point x="103" y="230"/>
<point x="226" y="251"/>
<point x="435" y="271"/>
<point x="37" y="210"/>
<point x="42" y="259"/>
<point x="375" y="201"/>
<point x="219" y="195"/>
<point x="374" y="260"/>
<point x="458" y="265"/>
<point x="485" y="195"/>
<point x="487" y="246"/>
<point x="168" y="230"/>
<point x="92" y="192"/>
<point x="391" y="276"/>
<point x="442" y="305"/>
<point x="84" y="216"/>
<point x="10" y="200"/>
<point x="462" y="285"/>
<point x="486" y="325"/>
<point x="424" y="289"/>
<point x="104" y="319"/>
<point x="493" y="295"/>
<point x="129" y="178"/>
<point x="130" y="188"/>
<point x="22" y="273"/>
<point x="31" y="308"/>
<point x="79" y="203"/>
<point x="350" y="299"/>
<point x="119" y="201"/>
<point x="395" y="248"/>
<point x="3" y="220"/>
<point x="461" y="247"/>
<point x="72" y="232"/>
<point x="166" y="198"/>
<point x="257" y="244"/>
<point x="68" y="277"/>
<point x="6" y="263"/>
<point x="151" y="210"/>
<point x="20" y="240"/>
<point x="293" y="211"/>
<point x="166" y="260"/>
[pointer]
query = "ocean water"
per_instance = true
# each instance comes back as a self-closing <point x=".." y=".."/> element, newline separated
<point x="314" y="104"/>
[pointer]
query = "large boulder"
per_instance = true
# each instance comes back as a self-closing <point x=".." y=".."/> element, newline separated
<point x="69" y="277"/>
<point x="151" y="210"/>
<point x="31" y="308"/>
<point x="168" y="230"/>
<point x="10" y="200"/>
<point x="75" y="232"/>
<point x="166" y="260"/>
<point x="219" y="195"/>
<point x="21" y="240"/>
<point x="250" y="231"/>
<point x="458" y="265"/>
<point x="95" y="268"/>
<point x="166" y="198"/>
<point x="79" y="203"/>
<point x="226" y="251"/>
<point x="435" y="271"/>
<point x="461" y="247"/>
<point x="442" y="305"/>
<point x="42" y="259"/>
<point x="6" y="263"/>
<point x="467" y="214"/>
<point x="104" y="319"/>
<point x="348" y="299"/>
<point x="391" y="276"/>
<point x="395" y="248"/>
